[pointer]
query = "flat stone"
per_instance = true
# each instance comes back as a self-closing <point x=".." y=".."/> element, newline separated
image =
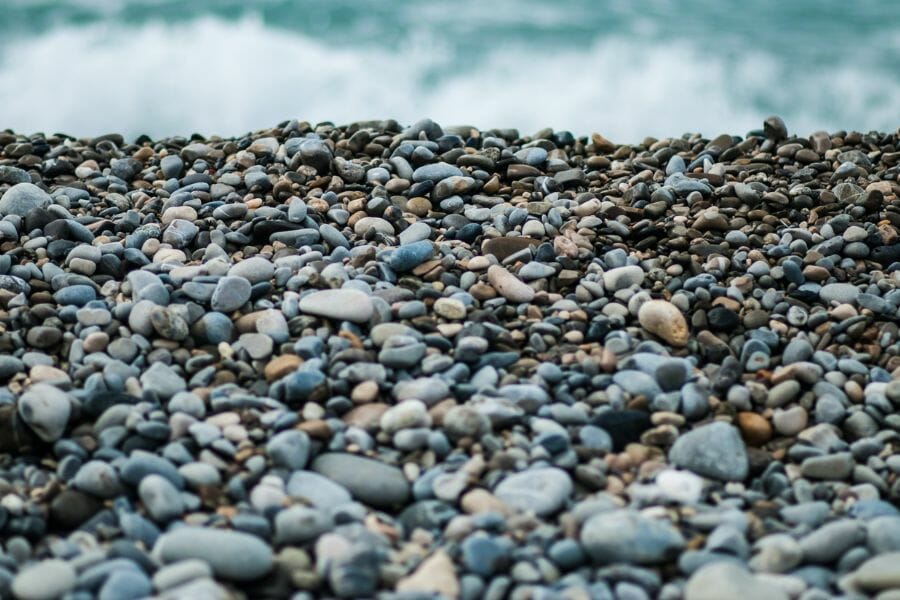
<point x="725" y="580"/>
<point x="161" y="499"/>
<point x="344" y="305"/>
<point x="232" y="555"/>
<point x="45" y="580"/>
<point x="543" y="491"/>
<point x="623" y="277"/>
<point x="508" y="285"/>
<point x="504" y="247"/>
<point x="879" y="573"/>
<point x="254" y="269"/>
<point x="162" y="380"/>
<point x="230" y="294"/>
<point x="842" y="293"/>
<point x="317" y="490"/>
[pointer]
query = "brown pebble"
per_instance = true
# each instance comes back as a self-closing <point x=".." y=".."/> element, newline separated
<point x="282" y="365"/>
<point x="755" y="429"/>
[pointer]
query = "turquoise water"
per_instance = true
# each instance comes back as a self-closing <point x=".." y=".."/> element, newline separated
<point x="626" y="69"/>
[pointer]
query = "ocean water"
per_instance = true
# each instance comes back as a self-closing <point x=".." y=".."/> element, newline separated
<point x="624" y="68"/>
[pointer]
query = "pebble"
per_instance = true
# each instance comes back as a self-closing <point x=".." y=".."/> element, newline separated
<point x="345" y="305"/>
<point x="22" y="198"/>
<point x="45" y="580"/>
<point x="715" y="451"/>
<point x="508" y="286"/>
<point x="46" y="410"/>
<point x="629" y="537"/>
<point x="369" y="481"/>
<point x="725" y="580"/>
<point x="231" y="555"/>
<point x="664" y="320"/>
<point x="231" y="293"/>
<point x="542" y="491"/>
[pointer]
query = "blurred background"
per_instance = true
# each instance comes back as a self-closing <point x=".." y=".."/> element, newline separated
<point x="627" y="69"/>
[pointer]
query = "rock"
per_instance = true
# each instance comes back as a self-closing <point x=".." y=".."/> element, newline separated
<point x="369" y="481"/>
<point x="542" y="491"/>
<point x="46" y="410"/>
<point x="126" y="584"/>
<point x="878" y="573"/>
<point x="344" y="305"/>
<point x="434" y="575"/>
<point x="22" y="198"/>
<point x="162" y="380"/>
<point x="289" y="449"/>
<point x="627" y="536"/>
<point x="45" y="580"/>
<point x="826" y="544"/>
<point x="842" y="293"/>
<point x="664" y="320"/>
<point x="508" y="286"/>
<point x="300" y="524"/>
<point x="715" y="451"/>
<point x="232" y="555"/>
<point x="725" y="580"/>
<point x="316" y="490"/>
<point x="254" y="269"/>
<point x="230" y="294"/>
<point x="162" y="501"/>
<point x="623" y="277"/>
<point x="409" y="256"/>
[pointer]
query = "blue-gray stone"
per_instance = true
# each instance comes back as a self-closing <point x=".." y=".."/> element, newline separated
<point x="75" y="295"/>
<point x="435" y="172"/>
<point x="22" y="198"/>
<point x="485" y="555"/>
<point x="171" y="166"/>
<point x="126" y="584"/>
<point x="626" y="536"/>
<point x="301" y="384"/>
<point x="540" y="490"/>
<point x="213" y="328"/>
<point x="715" y="451"/>
<point x="232" y="555"/>
<point x="370" y="481"/>
<point x="406" y="258"/>
<point x="289" y="449"/>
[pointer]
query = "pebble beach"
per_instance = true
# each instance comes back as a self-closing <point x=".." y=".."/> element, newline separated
<point x="405" y="362"/>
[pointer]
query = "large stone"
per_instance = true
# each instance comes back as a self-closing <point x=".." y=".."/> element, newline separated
<point x="664" y="320"/>
<point x="508" y="285"/>
<point x="369" y="481"/>
<point x="46" y="410"/>
<point x="542" y="491"/>
<point x="22" y="198"/>
<point x="232" y="555"/>
<point x="725" y="580"/>
<point x="46" y="580"/>
<point x="343" y="305"/>
<point x="715" y="451"/>
<point x="626" y="536"/>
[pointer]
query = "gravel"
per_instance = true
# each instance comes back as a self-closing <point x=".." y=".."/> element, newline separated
<point x="366" y="360"/>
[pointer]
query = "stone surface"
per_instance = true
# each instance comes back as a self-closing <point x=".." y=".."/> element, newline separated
<point x="716" y="451"/>
<point x="344" y="305"/>
<point x="232" y="555"/>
